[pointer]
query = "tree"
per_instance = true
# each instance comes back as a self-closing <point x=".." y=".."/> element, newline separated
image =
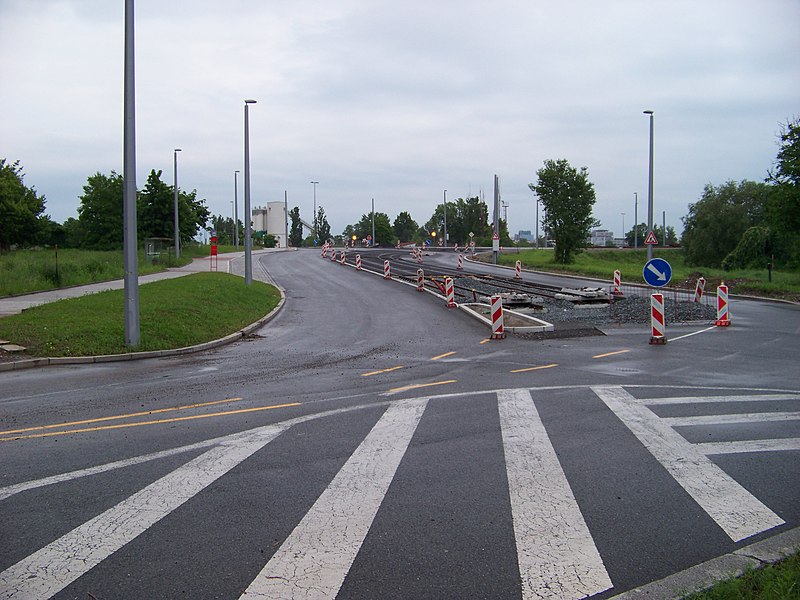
<point x="21" y="208"/>
<point x="568" y="197"/>
<point x="404" y="227"/>
<point x="717" y="221"/>
<point x="322" y="226"/>
<point x="783" y="203"/>
<point x="295" y="228"/>
<point x="100" y="212"/>
<point x="384" y="234"/>
<point x="223" y="226"/>
<point x="156" y="211"/>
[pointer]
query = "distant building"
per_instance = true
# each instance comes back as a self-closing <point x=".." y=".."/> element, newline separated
<point x="272" y="219"/>
<point x="525" y="234"/>
<point x="601" y="237"/>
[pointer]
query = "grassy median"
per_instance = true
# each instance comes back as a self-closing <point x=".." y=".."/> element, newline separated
<point x="173" y="313"/>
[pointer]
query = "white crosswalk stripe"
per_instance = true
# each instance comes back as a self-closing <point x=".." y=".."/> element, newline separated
<point x="556" y="554"/>
<point x="555" y="550"/>
<point x="736" y="511"/>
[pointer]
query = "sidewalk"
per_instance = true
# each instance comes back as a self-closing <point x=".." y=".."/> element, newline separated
<point x="228" y="263"/>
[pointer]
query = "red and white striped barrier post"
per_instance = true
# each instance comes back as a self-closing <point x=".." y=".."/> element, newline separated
<point x="387" y="270"/>
<point x="324" y="250"/>
<point x="358" y="262"/>
<point x="723" y="316"/>
<point x="699" y="289"/>
<point x="343" y="257"/>
<point x="420" y="280"/>
<point x="657" y="322"/>
<point x="455" y="247"/>
<point x="498" y="333"/>
<point x="460" y="262"/>
<point x="518" y="270"/>
<point x="449" y="292"/>
<point x="617" y="283"/>
<point x="333" y="254"/>
<point x="419" y="256"/>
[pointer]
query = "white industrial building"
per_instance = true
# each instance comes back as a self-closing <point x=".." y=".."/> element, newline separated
<point x="272" y="219"/>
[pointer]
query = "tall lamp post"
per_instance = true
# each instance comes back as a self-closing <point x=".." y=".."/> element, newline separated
<point x="623" y="230"/>
<point x="636" y="220"/>
<point x="248" y="240"/>
<point x="234" y="220"/>
<point x="177" y="228"/>
<point x="236" y="209"/>
<point x="314" y="216"/>
<point x="445" y="218"/>
<point x="130" y="241"/>
<point x="650" y="189"/>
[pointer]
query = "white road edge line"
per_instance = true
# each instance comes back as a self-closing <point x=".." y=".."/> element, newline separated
<point x="52" y="568"/>
<point x="680" y="337"/>
<point x="556" y="554"/>
<point x="731" y="419"/>
<point x="316" y="557"/>
<point x="736" y="511"/>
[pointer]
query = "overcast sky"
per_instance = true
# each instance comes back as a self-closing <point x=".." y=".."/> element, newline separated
<point x="398" y="101"/>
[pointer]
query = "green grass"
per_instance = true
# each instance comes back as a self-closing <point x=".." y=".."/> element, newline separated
<point x="780" y="581"/>
<point x="602" y="263"/>
<point x="25" y="271"/>
<point x="173" y="313"/>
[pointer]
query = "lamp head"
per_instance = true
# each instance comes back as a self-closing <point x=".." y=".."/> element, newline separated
<point x="648" y="112"/>
<point x="249" y="101"/>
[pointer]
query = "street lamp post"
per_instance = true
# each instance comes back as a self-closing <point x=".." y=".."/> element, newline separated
<point x="130" y="241"/>
<point x="236" y="209"/>
<point x="636" y="220"/>
<point x="314" y="216"/>
<point x="177" y="228"/>
<point x="650" y="189"/>
<point x="445" y="217"/>
<point x="234" y="220"/>
<point x="623" y="230"/>
<point x="248" y="241"/>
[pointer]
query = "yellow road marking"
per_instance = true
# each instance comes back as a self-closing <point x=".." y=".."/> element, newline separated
<point x="610" y="353"/>
<point x="550" y="366"/>
<point x="484" y="341"/>
<point x="117" y="417"/>
<point x="443" y="355"/>
<point x="420" y="385"/>
<point x="156" y="422"/>
<point x="371" y="373"/>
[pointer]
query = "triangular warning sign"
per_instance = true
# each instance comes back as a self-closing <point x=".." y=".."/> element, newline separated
<point x="651" y="238"/>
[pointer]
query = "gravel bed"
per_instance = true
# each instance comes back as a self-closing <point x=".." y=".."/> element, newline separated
<point x="628" y="309"/>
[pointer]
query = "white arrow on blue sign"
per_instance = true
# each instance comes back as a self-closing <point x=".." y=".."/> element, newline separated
<point x="657" y="272"/>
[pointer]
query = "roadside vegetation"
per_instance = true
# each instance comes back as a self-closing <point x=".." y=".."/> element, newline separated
<point x="602" y="263"/>
<point x="173" y="313"/>
<point x="36" y="270"/>
<point x="780" y="581"/>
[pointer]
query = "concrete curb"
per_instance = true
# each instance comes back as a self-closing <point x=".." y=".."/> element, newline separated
<point x="103" y="358"/>
<point x="734" y="564"/>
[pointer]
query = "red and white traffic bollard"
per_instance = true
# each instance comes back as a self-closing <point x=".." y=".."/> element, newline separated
<point x="657" y="321"/>
<point x="518" y="270"/>
<point x="419" y="256"/>
<point x="699" y="289"/>
<point x="449" y="292"/>
<point x="333" y="254"/>
<point x="324" y="251"/>
<point x="358" y="262"/>
<point x="460" y="262"/>
<point x="343" y="257"/>
<point x="387" y="271"/>
<point x="723" y="316"/>
<point x="617" y="283"/>
<point x="498" y="333"/>
<point x="455" y="247"/>
<point x="420" y="280"/>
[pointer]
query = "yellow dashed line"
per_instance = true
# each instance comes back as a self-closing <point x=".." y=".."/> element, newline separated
<point x="371" y="373"/>
<point x="443" y="355"/>
<point x="550" y="366"/>
<point x="610" y="353"/>
<point x="156" y="422"/>
<point x="117" y="417"/>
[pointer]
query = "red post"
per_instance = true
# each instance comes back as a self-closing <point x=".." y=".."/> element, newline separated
<point x="657" y="321"/>
<point x="498" y="333"/>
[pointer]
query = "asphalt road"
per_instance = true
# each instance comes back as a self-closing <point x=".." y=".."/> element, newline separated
<point x="369" y="442"/>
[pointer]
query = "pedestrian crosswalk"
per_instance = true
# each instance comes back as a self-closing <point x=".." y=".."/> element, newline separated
<point x="556" y="552"/>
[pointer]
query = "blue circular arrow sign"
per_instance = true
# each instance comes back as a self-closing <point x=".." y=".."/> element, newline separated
<point x="657" y="272"/>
